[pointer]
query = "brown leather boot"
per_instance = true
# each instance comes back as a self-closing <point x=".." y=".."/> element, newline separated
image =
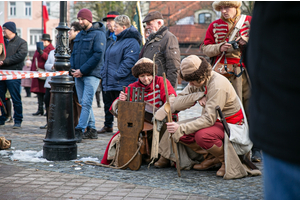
<point x="195" y="147"/>
<point x="218" y="152"/>
<point x="209" y="162"/>
<point x="162" y="162"/>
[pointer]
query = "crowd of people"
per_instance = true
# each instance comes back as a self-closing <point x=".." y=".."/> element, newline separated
<point x="106" y="59"/>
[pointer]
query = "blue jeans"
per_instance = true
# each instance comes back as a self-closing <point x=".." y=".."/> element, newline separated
<point x="14" y="88"/>
<point x="86" y="87"/>
<point x="281" y="179"/>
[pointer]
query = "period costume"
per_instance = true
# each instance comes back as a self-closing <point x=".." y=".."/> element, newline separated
<point x="215" y="38"/>
<point x="199" y="137"/>
<point x="153" y="95"/>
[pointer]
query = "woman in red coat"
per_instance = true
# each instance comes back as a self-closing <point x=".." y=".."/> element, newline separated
<point x="40" y="56"/>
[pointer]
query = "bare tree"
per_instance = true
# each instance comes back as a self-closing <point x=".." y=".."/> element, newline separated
<point x="247" y="7"/>
<point x="101" y="8"/>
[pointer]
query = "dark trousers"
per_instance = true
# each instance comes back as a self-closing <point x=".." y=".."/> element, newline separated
<point x="47" y="101"/>
<point x="108" y="99"/>
<point x="28" y="93"/>
<point x="14" y="88"/>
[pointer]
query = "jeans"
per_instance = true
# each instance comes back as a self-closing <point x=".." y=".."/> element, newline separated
<point x="14" y="88"/>
<point x="108" y="99"/>
<point x="86" y="87"/>
<point x="281" y="179"/>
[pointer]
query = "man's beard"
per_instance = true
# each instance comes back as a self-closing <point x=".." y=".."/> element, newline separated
<point x="84" y="26"/>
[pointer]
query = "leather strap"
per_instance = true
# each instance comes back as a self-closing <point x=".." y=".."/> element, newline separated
<point x="233" y="26"/>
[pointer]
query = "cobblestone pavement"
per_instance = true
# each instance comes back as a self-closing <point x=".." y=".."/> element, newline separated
<point x="67" y="179"/>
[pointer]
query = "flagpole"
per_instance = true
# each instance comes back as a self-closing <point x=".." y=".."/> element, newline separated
<point x="140" y="21"/>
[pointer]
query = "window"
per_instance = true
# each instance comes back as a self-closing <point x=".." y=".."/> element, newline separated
<point x="205" y="18"/>
<point x="12" y="8"/>
<point x="35" y="35"/>
<point x="19" y="32"/>
<point x="27" y="8"/>
<point x="48" y="7"/>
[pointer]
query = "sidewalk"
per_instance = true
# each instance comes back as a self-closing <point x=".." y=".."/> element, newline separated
<point x="70" y="180"/>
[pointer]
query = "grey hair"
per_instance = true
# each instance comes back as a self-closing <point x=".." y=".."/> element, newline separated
<point x="123" y="20"/>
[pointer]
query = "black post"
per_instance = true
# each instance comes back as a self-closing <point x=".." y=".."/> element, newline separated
<point x="60" y="143"/>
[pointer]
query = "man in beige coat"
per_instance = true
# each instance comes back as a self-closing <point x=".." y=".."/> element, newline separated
<point x="205" y="135"/>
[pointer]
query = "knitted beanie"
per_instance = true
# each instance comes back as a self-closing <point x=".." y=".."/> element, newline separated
<point x="217" y="4"/>
<point x="85" y="14"/>
<point x="194" y="68"/>
<point x="10" y="26"/>
<point x="142" y="66"/>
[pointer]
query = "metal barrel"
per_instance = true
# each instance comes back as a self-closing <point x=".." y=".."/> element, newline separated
<point x="128" y="93"/>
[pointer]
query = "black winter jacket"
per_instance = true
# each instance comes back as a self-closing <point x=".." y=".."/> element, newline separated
<point x="274" y="72"/>
<point x="16" y="52"/>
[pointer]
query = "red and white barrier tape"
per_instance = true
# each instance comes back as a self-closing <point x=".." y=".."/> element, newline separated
<point x="13" y="74"/>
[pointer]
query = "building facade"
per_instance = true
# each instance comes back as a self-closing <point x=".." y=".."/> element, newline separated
<point x="28" y="18"/>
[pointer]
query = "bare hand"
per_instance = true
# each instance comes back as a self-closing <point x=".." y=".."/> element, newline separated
<point x="76" y="73"/>
<point x="241" y="41"/>
<point x="225" y="47"/>
<point x="172" y="127"/>
<point x="122" y="96"/>
<point x="1" y="63"/>
<point x="202" y="101"/>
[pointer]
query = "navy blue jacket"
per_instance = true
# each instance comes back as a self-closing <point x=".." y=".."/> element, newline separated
<point x="88" y="51"/>
<point x="120" y="57"/>
<point x="109" y="39"/>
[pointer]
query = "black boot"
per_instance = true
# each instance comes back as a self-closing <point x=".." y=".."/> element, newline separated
<point x="78" y="135"/>
<point x="40" y="111"/>
<point x="8" y="109"/>
<point x="256" y="154"/>
<point x="28" y="93"/>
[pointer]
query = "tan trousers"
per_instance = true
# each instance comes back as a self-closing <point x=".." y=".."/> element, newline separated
<point x="242" y="88"/>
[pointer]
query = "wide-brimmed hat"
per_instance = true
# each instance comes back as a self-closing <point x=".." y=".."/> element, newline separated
<point x="46" y="36"/>
<point x="111" y="15"/>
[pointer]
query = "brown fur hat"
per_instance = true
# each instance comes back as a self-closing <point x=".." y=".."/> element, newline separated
<point x="217" y="4"/>
<point x="194" y="68"/>
<point x="142" y="66"/>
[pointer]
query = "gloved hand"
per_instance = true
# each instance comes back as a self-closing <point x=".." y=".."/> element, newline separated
<point x="40" y="51"/>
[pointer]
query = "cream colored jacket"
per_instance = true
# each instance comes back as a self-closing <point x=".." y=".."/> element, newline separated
<point x="219" y="93"/>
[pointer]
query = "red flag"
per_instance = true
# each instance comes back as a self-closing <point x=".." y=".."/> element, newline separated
<point x="45" y="15"/>
<point x="2" y="46"/>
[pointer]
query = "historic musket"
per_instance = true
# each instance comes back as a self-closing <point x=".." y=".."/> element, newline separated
<point x="244" y="159"/>
<point x="169" y="116"/>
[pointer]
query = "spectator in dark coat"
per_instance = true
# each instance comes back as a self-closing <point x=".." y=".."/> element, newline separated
<point x="16" y="52"/>
<point x="120" y="57"/>
<point x="110" y="22"/>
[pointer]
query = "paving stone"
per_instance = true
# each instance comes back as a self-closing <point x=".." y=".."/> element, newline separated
<point x="101" y="181"/>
